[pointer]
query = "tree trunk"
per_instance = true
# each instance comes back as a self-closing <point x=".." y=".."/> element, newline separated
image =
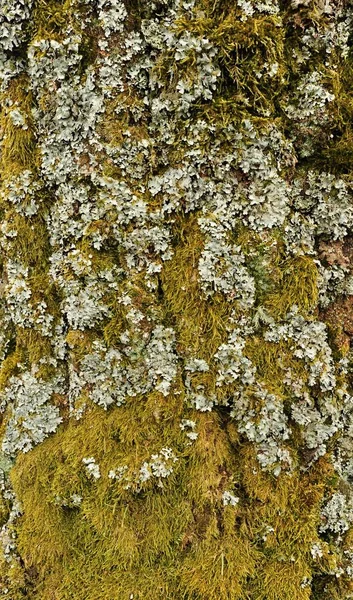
<point x="176" y="299"/>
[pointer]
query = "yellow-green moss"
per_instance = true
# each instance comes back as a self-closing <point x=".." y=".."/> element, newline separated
<point x="296" y="285"/>
<point x="200" y="321"/>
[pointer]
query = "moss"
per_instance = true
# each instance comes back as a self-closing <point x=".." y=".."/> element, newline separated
<point x="30" y="246"/>
<point x="337" y="154"/>
<point x="271" y="361"/>
<point x="218" y="551"/>
<point x="18" y="585"/>
<point x="18" y="144"/>
<point x="200" y="322"/>
<point x="295" y="284"/>
<point x="119" y="117"/>
<point x="36" y="347"/>
<point x="243" y="48"/>
<point x="9" y="366"/>
<point x="50" y="17"/>
<point x="219" y="571"/>
<point x="126" y="535"/>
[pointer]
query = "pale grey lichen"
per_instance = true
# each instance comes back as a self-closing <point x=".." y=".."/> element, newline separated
<point x="92" y="468"/>
<point x="111" y="15"/>
<point x="231" y="363"/>
<point x="336" y="514"/>
<point x="14" y="15"/>
<point x="265" y="423"/>
<point x="32" y="416"/>
<point x="309" y="100"/>
<point x="309" y="339"/>
<point x="316" y="550"/>
<point x="251" y="7"/>
<point x="18" y="296"/>
<point x="189" y="427"/>
<point x="139" y="366"/>
<point x="8" y="534"/>
<point x="102" y="371"/>
<point x="160" y="466"/>
<point x="327" y="199"/>
<point x="155" y="470"/>
<point x="229" y="499"/>
<point x="221" y="270"/>
<point x="118" y="473"/>
<point x="22" y="191"/>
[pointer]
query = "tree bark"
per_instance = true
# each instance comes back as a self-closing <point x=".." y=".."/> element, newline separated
<point x="176" y="291"/>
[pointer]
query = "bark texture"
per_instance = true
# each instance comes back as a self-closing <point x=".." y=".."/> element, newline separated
<point x="176" y="300"/>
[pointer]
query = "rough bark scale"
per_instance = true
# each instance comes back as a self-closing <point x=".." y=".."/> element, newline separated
<point x="176" y="299"/>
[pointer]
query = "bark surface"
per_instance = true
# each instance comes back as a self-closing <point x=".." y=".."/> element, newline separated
<point x="176" y="300"/>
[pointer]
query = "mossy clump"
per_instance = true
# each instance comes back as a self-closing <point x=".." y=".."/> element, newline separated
<point x="295" y="285"/>
<point x="201" y="322"/>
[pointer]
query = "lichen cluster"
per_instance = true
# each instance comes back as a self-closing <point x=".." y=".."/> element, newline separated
<point x="176" y="248"/>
